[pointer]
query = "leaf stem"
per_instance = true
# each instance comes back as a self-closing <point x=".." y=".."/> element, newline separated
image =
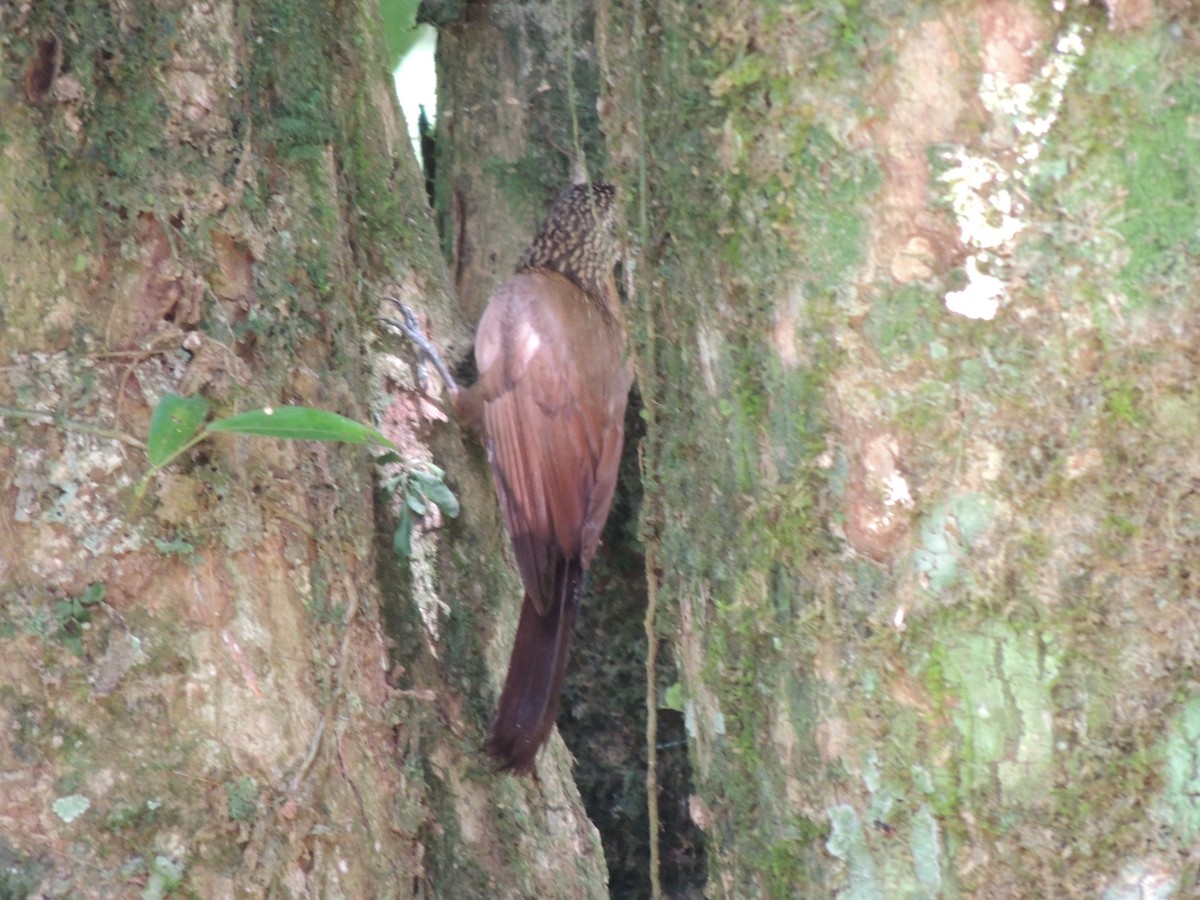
<point x="140" y="491"/>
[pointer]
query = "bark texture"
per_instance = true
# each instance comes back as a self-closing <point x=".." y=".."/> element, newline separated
<point x="195" y="692"/>
<point x="930" y="578"/>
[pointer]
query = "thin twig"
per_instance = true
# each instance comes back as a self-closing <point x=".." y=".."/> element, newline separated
<point x="314" y="747"/>
<point x="71" y="425"/>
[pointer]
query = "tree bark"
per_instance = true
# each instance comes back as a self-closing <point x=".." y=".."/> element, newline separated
<point x="214" y="198"/>
<point x="929" y="578"/>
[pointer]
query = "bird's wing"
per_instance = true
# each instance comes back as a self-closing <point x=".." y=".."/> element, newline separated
<point x="548" y="426"/>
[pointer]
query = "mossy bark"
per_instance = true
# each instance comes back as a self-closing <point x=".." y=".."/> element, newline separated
<point x="234" y="687"/>
<point x="930" y="579"/>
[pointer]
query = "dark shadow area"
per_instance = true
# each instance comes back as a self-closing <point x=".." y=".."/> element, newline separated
<point x="603" y="715"/>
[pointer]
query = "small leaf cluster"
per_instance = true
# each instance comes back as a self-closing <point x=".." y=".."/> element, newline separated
<point x="420" y="489"/>
<point x="72" y="613"/>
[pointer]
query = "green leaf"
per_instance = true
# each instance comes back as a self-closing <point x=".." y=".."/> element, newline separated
<point x="300" y="423"/>
<point x="174" y="422"/>
<point x="440" y="494"/>
<point x="93" y="593"/>
<point x="430" y="475"/>
<point x="415" y="503"/>
<point x="390" y="486"/>
<point x="402" y="537"/>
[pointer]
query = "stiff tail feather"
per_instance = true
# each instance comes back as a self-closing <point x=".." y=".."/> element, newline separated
<point x="529" y="702"/>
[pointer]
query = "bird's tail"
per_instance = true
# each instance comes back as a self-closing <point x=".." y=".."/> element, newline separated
<point x="529" y="702"/>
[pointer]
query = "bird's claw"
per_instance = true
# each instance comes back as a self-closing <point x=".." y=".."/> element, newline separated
<point x="411" y="328"/>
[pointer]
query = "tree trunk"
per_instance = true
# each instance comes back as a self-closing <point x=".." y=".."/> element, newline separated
<point x="929" y="577"/>
<point x="213" y="198"/>
<point x="917" y="322"/>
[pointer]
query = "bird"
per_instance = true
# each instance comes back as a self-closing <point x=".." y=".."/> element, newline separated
<point x="549" y="405"/>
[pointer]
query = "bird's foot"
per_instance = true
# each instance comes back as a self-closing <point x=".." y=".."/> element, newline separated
<point x="410" y="327"/>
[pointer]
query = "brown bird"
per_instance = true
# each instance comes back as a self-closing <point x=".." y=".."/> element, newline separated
<point x="550" y="404"/>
